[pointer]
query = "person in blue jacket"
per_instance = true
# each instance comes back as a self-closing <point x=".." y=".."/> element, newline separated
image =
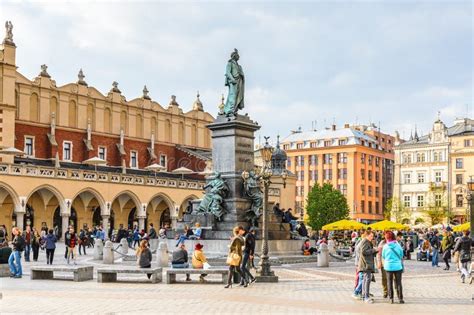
<point x="392" y="257"/>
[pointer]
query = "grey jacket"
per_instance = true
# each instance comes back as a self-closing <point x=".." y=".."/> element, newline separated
<point x="144" y="260"/>
<point x="366" y="254"/>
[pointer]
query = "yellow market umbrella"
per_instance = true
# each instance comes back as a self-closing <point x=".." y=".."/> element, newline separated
<point x="462" y="227"/>
<point x="386" y="225"/>
<point x="344" y="225"/>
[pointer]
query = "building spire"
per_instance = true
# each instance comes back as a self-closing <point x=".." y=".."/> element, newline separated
<point x="145" y="93"/>
<point x="81" y="77"/>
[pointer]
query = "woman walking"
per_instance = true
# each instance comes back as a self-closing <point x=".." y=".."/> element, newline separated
<point x="392" y="255"/>
<point x="50" y="245"/>
<point x="35" y="244"/>
<point x="446" y="245"/>
<point x="235" y="256"/>
<point x="463" y="246"/>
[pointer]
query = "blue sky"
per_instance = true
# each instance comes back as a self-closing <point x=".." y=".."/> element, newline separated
<point x="396" y="64"/>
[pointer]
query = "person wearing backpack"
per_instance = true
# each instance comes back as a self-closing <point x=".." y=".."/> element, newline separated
<point x="463" y="246"/>
<point x="14" y="261"/>
<point x="435" y="244"/>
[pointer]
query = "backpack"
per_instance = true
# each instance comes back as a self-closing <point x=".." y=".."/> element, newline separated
<point x="20" y="243"/>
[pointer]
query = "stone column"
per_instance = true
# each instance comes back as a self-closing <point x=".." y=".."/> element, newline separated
<point x="65" y="223"/>
<point x="19" y="221"/>
<point x="105" y="225"/>
<point x="20" y="211"/>
<point x="141" y="223"/>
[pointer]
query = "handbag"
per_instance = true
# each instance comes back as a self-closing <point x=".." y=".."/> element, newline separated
<point x="233" y="259"/>
<point x="206" y="266"/>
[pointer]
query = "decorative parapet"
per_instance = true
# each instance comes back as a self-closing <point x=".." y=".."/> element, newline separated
<point x="92" y="176"/>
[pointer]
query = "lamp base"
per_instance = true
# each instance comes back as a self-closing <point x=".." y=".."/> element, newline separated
<point x="269" y="277"/>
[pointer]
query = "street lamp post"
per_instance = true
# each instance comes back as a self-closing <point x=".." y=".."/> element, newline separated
<point x="265" y="274"/>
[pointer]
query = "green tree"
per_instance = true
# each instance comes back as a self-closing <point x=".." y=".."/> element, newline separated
<point x="395" y="210"/>
<point x="324" y="205"/>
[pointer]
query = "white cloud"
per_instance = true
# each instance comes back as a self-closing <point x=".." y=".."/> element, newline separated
<point x="342" y="79"/>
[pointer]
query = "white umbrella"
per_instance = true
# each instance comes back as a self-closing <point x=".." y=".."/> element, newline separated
<point x="183" y="171"/>
<point x="155" y="167"/>
<point x="12" y="151"/>
<point x="94" y="161"/>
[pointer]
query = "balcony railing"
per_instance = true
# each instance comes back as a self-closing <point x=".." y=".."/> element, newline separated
<point x="92" y="176"/>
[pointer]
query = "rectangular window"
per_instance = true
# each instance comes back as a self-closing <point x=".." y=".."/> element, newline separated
<point x="300" y="160"/>
<point x="438" y="200"/>
<point x="468" y="142"/>
<point x="369" y="174"/>
<point x="299" y="146"/>
<point x="163" y="160"/>
<point x="342" y="173"/>
<point x="328" y="174"/>
<point x="327" y="143"/>
<point x="133" y="159"/>
<point x="377" y="177"/>
<point x="459" y="179"/>
<point x="377" y="191"/>
<point x="362" y="206"/>
<point x="342" y="158"/>
<point x="421" y="177"/>
<point x="288" y="162"/>
<point x="313" y="145"/>
<point x="370" y="191"/>
<point x="300" y="175"/>
<point x="314" y="159"/>
<point x="459" y="163"/>
<point x="327" y="158"/>
<point x="407" y="158"/>
<point x="362" y="190"/>
<point x="314" y="175"/>
<point x="421" y="201"/>
<point x="406" y="178"/>
<point x="420" y="157"/>
<point x="102" y="153"/>
<point x="362" y="158"/>
<point x="370" y="206"/>
<point x="377" y="161"/>
<point x="438" y="177"/>
<point x="67" y="151"/>
<point x="362" y="174"/>
<point x="377" y="207"/>
<point x="459" y="200"/>
<point x="29" y="146"/>
<point x="370" y="159"/>
<point x="343" y="189"/>
<point x="343" y="142"/>
<point x="407" y="201"/>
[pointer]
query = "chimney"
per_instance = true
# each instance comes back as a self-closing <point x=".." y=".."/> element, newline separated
<point x="346" y="125"/>
<point x="333" y="127"/>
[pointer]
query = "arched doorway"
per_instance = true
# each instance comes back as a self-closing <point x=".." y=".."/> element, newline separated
<point x="28" y="217"/>
<point x="133" y="219"/>
<point x="41" y="205"/>
<point x="96" y="217"/>
<point x="165" y="218"/>
<point x="124" y="206"/>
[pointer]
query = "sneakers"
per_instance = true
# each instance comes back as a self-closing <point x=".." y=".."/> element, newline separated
<point x="188" y="279"/>
<point x="401" y="302"/>
<point x="202" y="280"/>
<point x="356" y="296"/>
<point x="369" y="301"/>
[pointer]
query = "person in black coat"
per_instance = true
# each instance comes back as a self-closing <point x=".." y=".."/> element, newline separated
<point x="463" y="246"/>
<point x="248" y="254"/>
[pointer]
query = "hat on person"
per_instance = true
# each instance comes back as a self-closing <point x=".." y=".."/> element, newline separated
<point x="198" y="246"/>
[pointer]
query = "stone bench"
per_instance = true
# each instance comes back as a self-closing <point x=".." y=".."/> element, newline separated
<point x="172" y="272"/>
<point x="110" y="274"/>
<point x="81" y="273"/>
<point x="4" y="270"/>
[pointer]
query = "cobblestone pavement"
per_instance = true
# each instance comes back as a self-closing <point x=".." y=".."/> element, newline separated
<point x="303" y="289"/>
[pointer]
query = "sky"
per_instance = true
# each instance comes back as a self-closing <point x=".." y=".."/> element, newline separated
<point x="307" y="64"/>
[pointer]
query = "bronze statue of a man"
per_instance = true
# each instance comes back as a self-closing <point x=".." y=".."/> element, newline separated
<point x="234" y="79"/>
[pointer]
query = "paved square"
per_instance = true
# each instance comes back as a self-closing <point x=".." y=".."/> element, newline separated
<point x="303" y="289"/>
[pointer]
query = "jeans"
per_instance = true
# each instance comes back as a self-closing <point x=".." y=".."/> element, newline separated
<point x="366" y="284"/>
<point x="464" y="270"/>
<point x="14" y="262"/>
<point x="181" y="266"/>
<point x="247" y="275"/>
<point x="84" y="248"/>
<point x="358" y="288"/>
<point x="181" y="239"/>
<point x="27" y="252"/>
<point x="434" y="260"/>
<point x="49" y="256"/>
<point x="398" y="284"/>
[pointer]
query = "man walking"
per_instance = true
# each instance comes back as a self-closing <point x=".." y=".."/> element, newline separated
<point x="248" y="253"/>
<point x="435" y="244"/>
<point x="14" y="261"/>
<point x="367" y="264"/>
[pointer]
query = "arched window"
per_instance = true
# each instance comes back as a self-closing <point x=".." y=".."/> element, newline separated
<point x="139" y="126"/>
<point x="194" y="135"/>
<point x="53" y="108"/>
<point x="91" y="115"/>
<point x="107" y="120"/>
<point x="153" y="125"/>
<point x="181" y="132"/>
<point x="123" y="122"/>
<point x="167" y="130"/>
<point x="34" y="107"/>
<point x="72" y="114"/>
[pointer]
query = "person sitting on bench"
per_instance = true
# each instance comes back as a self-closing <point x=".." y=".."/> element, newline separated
<point x="180" y="259"/>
